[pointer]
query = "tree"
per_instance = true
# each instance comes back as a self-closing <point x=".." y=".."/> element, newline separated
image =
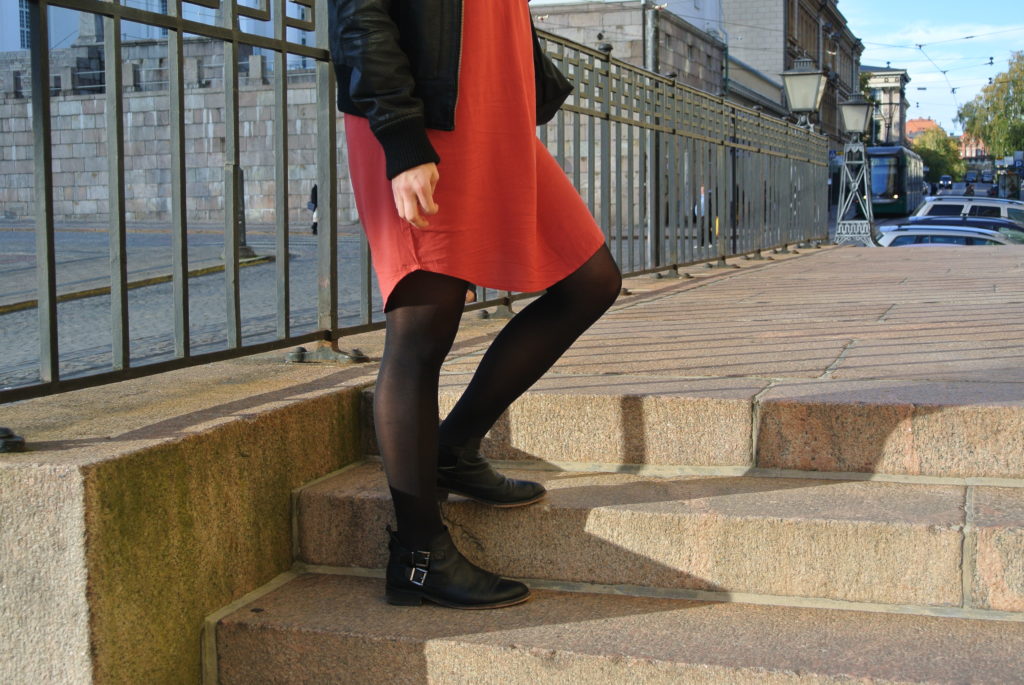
<point x="940" y="153"/>
<point x="996" y="115"/>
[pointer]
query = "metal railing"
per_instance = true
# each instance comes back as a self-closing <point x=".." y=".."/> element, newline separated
<point x="674" y="176"/>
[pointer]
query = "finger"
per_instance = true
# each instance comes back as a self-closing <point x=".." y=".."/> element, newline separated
<point x="405" y="203"/>
<point x="425" y="196"/>
<point x="412" y="211"/>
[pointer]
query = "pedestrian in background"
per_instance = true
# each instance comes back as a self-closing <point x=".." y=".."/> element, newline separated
<point x="450" y="191"/>
<point x="313" y="207"/>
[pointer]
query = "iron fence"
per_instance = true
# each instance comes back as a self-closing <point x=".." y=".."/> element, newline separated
<point x="674" y="176"/>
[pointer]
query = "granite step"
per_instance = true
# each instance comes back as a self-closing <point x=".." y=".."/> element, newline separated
<point x="857" y="541"/>
<point x="900" y="427"/>
<point x="324" y="629"/>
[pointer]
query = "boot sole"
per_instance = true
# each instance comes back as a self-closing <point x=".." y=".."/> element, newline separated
<point x="442" y="495"/>
<point x="407" y="598"/>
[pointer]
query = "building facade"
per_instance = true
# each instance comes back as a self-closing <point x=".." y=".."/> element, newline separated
<point x="690" y="48"/>
<point x="971" y="148"/>
<point x="916" y="127"/>
<point x="766" y="37"/>
<point x="888" y="90"/>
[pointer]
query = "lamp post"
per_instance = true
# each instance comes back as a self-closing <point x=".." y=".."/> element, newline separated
<point x="855" y="183"/>
<point x="804" y="87"/>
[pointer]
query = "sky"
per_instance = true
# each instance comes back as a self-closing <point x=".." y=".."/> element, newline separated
<point x="929" y="38"/>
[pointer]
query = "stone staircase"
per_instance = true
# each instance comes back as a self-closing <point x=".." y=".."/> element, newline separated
<point x="752" y="544"/>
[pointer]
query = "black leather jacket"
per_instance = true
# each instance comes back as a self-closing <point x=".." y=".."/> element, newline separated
<point x="397" y="63"/>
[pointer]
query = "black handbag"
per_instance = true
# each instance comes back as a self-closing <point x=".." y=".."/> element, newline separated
<point x="551" y="84"/>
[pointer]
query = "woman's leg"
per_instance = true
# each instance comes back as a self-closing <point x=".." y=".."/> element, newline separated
<point x="423" y="564"/>
<point x="423" y="316"/>
<point x="530" y="344"/>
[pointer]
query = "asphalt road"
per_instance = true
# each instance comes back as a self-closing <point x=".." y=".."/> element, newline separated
<point x="84" y="337"/>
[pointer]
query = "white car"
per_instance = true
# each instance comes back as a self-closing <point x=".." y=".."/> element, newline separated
<point x="956" y="205"/>
<point x="907" y="235"/>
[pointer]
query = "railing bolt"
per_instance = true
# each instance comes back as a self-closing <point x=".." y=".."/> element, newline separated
<point x="326" y="351"/>
<point x="504" y="310"/>
<point x="9" y="442"/>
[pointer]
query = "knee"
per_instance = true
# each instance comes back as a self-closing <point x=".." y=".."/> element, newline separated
<point x="607" y="284"/>
<point x="426" y="353"/>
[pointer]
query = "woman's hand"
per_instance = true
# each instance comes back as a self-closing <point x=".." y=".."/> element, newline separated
<point x="414" y="193"/>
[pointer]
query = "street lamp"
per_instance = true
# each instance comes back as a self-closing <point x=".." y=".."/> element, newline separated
<point x="855" y="184"/>
<point x="804" y="87"/>
<point x="856" y="114"/>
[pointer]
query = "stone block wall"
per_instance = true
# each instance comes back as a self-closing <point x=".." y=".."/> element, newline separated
<point x="757" y="35"/>
<point x="695" y="57"/>
<point x="79" y="141"/>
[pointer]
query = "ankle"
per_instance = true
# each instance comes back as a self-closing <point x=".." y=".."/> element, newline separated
<point x="448" y="454"/>
<point x="418" y="538"/>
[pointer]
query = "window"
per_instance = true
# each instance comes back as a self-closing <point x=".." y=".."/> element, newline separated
<point x="23" y="22"/>
<point x="903" y="240"/>
<point x="884" y="176"/>
<point x="981" y="241"/>
<point x="1015" y="214"/>
<point x="945" y="210"/>
<point x="1015" y="237"/>
<point x="946" y="239"/>
<point x="977" y="210"/>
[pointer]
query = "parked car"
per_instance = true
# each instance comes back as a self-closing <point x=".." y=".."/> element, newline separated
<point x="986" y="176"/>
<point x="971" y="176"/>
<point x="1010" y="229"/>
<point x="950" y="236"/>
<point x="955" y="205"/>
<point x="945" y="181"/>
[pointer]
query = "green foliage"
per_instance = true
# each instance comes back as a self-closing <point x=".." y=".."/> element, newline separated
<point x="996" y="115"/>
<point x="940" y="153"/>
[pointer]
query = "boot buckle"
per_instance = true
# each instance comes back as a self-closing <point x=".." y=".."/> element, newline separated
<point x="418" y="576"/>
<point x="420" y="564"/>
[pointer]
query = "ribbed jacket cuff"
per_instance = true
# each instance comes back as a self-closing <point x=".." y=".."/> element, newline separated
<point x="406" y="145"/>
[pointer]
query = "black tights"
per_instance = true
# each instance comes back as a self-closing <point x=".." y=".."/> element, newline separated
<point x="423" y="316"/>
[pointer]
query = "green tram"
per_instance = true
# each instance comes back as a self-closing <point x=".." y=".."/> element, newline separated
<point x="897" y="180"/>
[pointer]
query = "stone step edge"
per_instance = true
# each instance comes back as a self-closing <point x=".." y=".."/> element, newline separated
<point x="759" y="444"/>
<point x="823" y="603"/>
<point x="296" y="494"/>
<point x="208" y="638"/>
<point x="675" y="471"/>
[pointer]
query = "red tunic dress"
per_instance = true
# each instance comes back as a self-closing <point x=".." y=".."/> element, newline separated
<point x="508" y="217"/>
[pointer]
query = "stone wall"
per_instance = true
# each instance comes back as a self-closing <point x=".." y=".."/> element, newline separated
<point x="693" y="56"/>
<point x="78" y="120"/>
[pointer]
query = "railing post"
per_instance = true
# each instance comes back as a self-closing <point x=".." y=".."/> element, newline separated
<point x="327" y="182"/>
<point x="115" y="184"/>
<point x="46" y="267"/>
<point x="654" y="234"/>
<point x="232" y="180"/>
<point x="179" y="214"/>
<point x="281" y="242"/>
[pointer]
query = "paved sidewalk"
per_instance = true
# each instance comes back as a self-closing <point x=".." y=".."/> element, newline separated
<point x="928" y="324"/>
<point x="841" y="313"/>
<point x="83" y="263"/>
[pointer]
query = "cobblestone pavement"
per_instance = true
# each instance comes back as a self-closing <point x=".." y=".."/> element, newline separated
<point x="84" y="338"/>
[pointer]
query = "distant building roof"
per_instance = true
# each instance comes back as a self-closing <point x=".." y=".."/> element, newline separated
<point x="916" y="127"/>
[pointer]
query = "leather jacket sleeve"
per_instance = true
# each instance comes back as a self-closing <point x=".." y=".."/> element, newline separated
<point x="365" y="38"/>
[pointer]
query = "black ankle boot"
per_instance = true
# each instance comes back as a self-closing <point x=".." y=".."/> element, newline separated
<point x="469" y="474"/>
<point x="441" y="574"/>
